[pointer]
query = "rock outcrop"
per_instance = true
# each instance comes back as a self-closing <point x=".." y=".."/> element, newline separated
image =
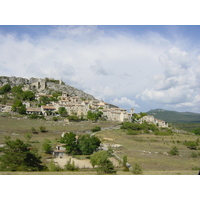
<point x="47" y="86"/>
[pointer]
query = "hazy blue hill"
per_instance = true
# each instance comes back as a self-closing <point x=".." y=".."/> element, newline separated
<point x="175" y="117"/>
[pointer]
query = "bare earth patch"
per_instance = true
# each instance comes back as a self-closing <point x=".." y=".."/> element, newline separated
<point x="85" y="163"/>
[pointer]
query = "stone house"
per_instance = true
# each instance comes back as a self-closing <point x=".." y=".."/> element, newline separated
<point x="36" y="111"/>
<point x="148" y="119"/>
<point x="161" y="123"/>
<point x="116" y="114"/>
<point x="6" y="108"/>
<point x="59" y="150"/>
<point x="47" y="108"/>
<point x="152" y="120"/>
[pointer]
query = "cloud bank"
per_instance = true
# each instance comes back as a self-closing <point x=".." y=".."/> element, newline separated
<point x="127" y="69"/>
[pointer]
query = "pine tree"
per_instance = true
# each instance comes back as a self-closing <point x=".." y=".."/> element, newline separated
<point x="18" y="157"/>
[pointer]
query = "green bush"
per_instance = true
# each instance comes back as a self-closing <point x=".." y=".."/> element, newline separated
<point x="104" y="165"/>
<point x="174" y="151"/>
<point x="163" y="133"/>
<point x="194" y="155"/>
<point x="52" y="167"/>
<point x="71" y="166"/>
<point x="96" y="128"/>
<point x="73" y="118"/>
<point x="191" y="144"/>
<point x="5" y="89"/>
<point x="55" y="119"/>
<point x="47" y="147"/>
<point x="34" y="116"/>
<point x="132" y="132"/>
<point x="136" y="169"/>
<point x="43" y="129"/>
<point x="196" y="131"/>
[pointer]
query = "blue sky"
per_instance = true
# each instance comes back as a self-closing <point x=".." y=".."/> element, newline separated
<point x="141" y="67"/>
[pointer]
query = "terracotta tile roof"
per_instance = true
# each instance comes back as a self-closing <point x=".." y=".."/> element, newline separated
<point x="48" y="107"/>
<point x="33" y="109"/>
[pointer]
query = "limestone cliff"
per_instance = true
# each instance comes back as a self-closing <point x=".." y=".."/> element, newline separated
<point x="47" y="86"/>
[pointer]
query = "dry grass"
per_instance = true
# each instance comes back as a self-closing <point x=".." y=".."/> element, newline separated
<point x="148" y="150"/>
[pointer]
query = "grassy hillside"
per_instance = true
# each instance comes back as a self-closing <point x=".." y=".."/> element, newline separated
<point x="175" y="117"/>
<point x="149" y="150"/>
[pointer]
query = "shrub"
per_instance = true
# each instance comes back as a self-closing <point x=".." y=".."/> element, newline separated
<point x="132" y="132"/>
<point x="47" y="147"/>
<point x="70" y="166"/>
<point x="194" y="155"/>
<point x="129" y="125"/>
<point x="43" y="129"/>
<point x="5" y="89"/>
<point x="163" y="133"/>
<point x="197" y="131"/>
<point x="136" y="169"/>
<point x="104" y="165"/>
<point x="191" y="144"/>
<point x="96" y="128"/>
<point x="34" y="116"/>
<point x="52" y="167"/>
<point x="73" y="118"/>
<point x="55" y="119"/>
<point x="174" y="151"/>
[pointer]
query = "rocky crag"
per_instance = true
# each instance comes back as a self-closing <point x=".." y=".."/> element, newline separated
<point x="46" y="86"/>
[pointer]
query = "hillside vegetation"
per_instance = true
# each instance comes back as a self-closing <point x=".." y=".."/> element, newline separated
<point x="175" y="117"/>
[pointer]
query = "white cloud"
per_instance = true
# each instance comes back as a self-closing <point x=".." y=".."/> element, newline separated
<point x="178" y="84"/>
<point x="124" y="102"/>
<point x="111" y="68"/>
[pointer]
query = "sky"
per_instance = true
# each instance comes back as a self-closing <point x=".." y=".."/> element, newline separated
<point x="132" y="66"/>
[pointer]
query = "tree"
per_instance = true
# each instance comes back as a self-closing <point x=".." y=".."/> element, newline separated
<point x="18" y="157"/>
<point x="196" y="131"/>
<point x="28" y="95"/>
<point x="19" y="107"/>
<point x="69" y="139"/>
<point x="94" y="116"/>
<point x="104" y="165"/>
<point x="5" y="89"/>
<point x="17" y="92"/>
<point x="124" y="163"/>
<point x="63" y="112"/>
<point x="16" y="105"/>
<point x="44" y="100"/>
<point x="22" y="110"/>
<point x="47" y="147"/>
<point x="88" y="144"/>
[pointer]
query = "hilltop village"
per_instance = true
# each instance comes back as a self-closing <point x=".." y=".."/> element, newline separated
<point x="74" y="105"/>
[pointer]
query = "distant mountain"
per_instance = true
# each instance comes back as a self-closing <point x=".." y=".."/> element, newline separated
<point x="174" y="116"/>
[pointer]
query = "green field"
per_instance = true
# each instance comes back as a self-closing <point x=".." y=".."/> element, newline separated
<point x="148" y="150"/>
